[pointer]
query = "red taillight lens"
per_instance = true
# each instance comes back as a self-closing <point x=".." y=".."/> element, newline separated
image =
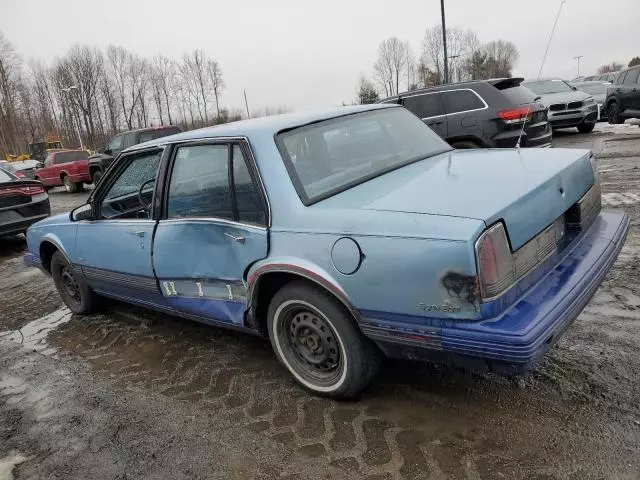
<point x="495" y="262"/>
<point x="488" y="261"/>
<point x="515" y="115"/>
<point x="28" y="191"/>
<point x="35" y="190"/>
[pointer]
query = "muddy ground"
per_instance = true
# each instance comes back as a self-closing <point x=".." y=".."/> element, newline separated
<point x="131" y="394"/>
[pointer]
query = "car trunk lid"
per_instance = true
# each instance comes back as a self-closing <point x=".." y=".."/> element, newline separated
<point x="18" y="192"/>
<point x="526" y="189"/>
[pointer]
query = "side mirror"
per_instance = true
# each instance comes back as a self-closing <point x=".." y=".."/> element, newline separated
<point x="83" y="212"/>
<point x="573" y="88"/>
<point x="107" y="151"/>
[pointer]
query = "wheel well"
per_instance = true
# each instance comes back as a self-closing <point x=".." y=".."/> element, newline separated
<point x="62" y="175"/>
<point x="611" y="102"/>
<point x="94" y="168"/>
<point x="269" y="284"/>
<point x="47" y="249"/>
<point x="473" y="140"/>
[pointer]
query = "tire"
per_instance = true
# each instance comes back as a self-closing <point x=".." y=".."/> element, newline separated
<point x="97" y="175"/>
<point x="613" y="114"/>
<point x="73" y="290"/>
<point x="586" y="127"/>
<point x="70" y="186"/>
<point x="465" y="144"/>
<point x="316" y="322"/>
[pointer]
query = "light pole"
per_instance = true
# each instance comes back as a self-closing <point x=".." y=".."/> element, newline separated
<point x="67" y="90"/>
<point x="444" y="43"/>
<point x="578" y="57"/>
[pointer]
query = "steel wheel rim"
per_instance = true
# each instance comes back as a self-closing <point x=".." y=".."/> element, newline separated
<point x="69" y="284"/>
<point x="311" y="344"/>
<point x="67" y="184"/>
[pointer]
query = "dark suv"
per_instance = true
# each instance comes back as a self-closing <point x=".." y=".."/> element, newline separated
<point x="482" y="113"/>
<point x="99" y="162"/>
<point x="623" y="97"/>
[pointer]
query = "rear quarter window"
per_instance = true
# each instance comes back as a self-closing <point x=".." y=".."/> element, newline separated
<point x="461" y="101"/>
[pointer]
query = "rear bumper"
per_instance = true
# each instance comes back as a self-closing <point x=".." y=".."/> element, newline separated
<point x="23" y="216"/>
<point x="509" y="139"/>
<point x="523" y="333"/>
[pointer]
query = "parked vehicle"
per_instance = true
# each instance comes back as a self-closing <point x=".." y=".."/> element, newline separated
<point x="478" y="114"/>
<point x="22" y="203"/>
<point x="567" y="106"/>
<point x="9" y="167"/>
<point x="623" y="97"/>
<point x="27" y="168"/>
<point x="340" y="235"/>
<point x="40" y="150"/>
<point x="65" y="167"/>
<point x="99" y="162"/>
<point x="598" y="90"/>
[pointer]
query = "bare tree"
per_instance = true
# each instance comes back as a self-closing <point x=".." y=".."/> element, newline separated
<point x="195" y="75"/>
<point x="217" y="82"/>
<point x="10" y="71"/>
<point x="612" y="67"/>
<point x="391" y="65"/>
<point x="460" y="44"/>
<point x="366" y="91"/>
<point x="502" y="55"/>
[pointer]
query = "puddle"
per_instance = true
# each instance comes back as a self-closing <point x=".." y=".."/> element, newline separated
<point x="33" y="335"/>
<point x="8" y="463"/>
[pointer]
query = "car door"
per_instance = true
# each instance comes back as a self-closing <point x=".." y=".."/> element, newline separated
<point x="635" y="95"/>
<point x="213" y="227"/>
<point x="628" y="90"/>
<point x="46" y="173"/>
<point x="429" y="107"/>
<point x="463" y="107"/>
<point x="115" y="246"/>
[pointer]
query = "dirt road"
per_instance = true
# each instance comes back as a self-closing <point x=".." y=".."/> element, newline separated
<point x="133" y="394"/>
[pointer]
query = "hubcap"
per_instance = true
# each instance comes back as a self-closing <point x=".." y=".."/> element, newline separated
<point x="312" y="344"/>
<point x="69" y="284"/>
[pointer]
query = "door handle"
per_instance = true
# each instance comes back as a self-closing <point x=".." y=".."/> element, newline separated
<point x="139" y="233"/>
<point x="435" y="122"/>
<point x="235" y="238"/>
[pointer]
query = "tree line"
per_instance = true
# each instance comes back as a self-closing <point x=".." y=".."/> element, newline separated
<point x="397" y="69"/>
<point x="98" y="93"/>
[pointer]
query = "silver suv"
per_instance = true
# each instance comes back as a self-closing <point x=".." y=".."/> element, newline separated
<point x="567" y="106"/>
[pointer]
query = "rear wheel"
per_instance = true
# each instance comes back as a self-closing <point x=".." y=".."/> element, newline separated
<point x="69" y="185"/>
<point x="315" y="338"/>
<point x="75" y="293"/>
<point x="465" y="144"/>
<point x="614" y="114"/>
<point x="586" y="127"/>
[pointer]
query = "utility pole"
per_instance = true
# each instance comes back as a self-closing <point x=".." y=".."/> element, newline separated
<point x="578" y="57"/>
<point x="67" y="90"/>
<point x="444" y="43"/>
<point x="246" y="104"/>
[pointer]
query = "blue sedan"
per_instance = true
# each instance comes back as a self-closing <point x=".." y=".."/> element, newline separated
<point x="344" y="236"/>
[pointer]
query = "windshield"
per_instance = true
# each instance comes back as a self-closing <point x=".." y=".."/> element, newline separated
<point x="543" y="87"/>
<point x="331" y="156"/>
<point x="593" y="89"/>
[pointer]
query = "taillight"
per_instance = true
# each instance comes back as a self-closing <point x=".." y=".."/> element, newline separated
<point x="35" y="190"/>
<point x="515" y="115"/>
<point x="495" y="262"/>
<point x="28" y="191"/>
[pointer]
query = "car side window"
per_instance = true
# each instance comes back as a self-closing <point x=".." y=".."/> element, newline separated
<point x="129" y="140"/>
<point x="424" y="106"/>
<point x="632" y="76"/>
<point x="248" y="202"/>
<point x="199" y="185"/>
<point x="48" y="161"/>
<point x="461" y="101"/>
<point x="621" y="78"/>
<point x="115" y="145"/>
<point x="122" y="197"/>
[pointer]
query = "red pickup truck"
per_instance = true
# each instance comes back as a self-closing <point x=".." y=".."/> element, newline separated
<point x="65" y="167"/>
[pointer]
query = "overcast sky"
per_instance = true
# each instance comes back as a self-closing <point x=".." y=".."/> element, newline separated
<point x="306" y="54"/>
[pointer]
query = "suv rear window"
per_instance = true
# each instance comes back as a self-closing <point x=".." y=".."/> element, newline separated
<point x="519" y="95"/>
<point x="153" y="134"/>
<point x="66" y="157"/>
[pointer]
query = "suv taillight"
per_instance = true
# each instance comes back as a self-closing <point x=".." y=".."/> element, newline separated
<point x="515" y="115"/>
<point x="495" y="262"/>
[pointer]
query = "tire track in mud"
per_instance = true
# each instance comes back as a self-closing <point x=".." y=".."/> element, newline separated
<point x="396" y="431"/>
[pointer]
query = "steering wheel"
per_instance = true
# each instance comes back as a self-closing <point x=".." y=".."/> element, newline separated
<point x="145" y="206"/>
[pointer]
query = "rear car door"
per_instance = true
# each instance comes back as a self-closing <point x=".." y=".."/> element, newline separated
<point x="429" y="107"/>
<point x="462" y="107"/>
<point x="213" y="227"/>
<point x="629" y="89"/>
<point x="115" y="247"/>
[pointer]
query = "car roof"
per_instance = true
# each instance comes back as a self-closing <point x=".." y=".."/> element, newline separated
<point x="148" y="129"/>
<point x="454" y="86"/>
<point x="270" y="125"/>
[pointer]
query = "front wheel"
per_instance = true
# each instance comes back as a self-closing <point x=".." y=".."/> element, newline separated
<point x="586" y="127"/>
<point x="97" y="175"/>
<point x="75" y="293"/>
<point x="316" y="339"/>
<point x="69" y="185"/>
<point x="614" y="114"/>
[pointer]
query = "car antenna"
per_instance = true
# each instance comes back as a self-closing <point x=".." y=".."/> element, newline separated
<point x="544" y="59"/>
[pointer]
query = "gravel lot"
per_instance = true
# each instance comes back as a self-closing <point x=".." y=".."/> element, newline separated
<point x="132" y="394"/>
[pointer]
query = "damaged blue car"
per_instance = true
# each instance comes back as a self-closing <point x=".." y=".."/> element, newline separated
<point x="344" y="236"/>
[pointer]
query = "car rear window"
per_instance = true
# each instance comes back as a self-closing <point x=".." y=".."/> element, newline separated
<point x="153" y="134"/>
<point x="519" y="95"/>
<point x="66" y="157"/>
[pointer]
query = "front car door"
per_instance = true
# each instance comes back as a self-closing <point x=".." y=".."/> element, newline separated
<point x="47" y="174"/>
<point x="628" y="90"/>
<point x="213" y="227"/>
<point x="429" y="107"/>
<point x="115" y="247"/>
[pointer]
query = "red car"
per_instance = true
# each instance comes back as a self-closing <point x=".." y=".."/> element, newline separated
<point x="65" y="167"/>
